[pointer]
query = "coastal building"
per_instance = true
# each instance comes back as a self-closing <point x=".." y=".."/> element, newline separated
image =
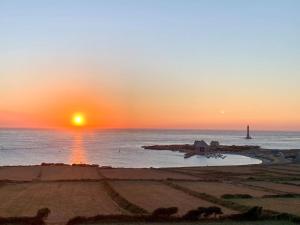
<point x="214" y="144"/>
<point x="201" y="146"/>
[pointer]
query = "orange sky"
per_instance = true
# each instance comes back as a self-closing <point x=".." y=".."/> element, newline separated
<point x="110" y="101"/>
<point x="52" y="100"/>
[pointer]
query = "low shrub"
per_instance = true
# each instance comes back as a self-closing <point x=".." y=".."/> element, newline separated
<point x="43" y="213"/>
<point x="282" y="196"/>
<point x="287" y="217"/>
<point x="254" y="213"/>
<point x="165" y="211"/>
<point x="209" y="211"/>
<point x="283" y="216"/>
<point x="53" y="164"/>
<point x="106" y="167"/>
<point x="35" y="220"/>
<point x="120" y="219"/>
<point x="196" y="214"/>
<point x="192" y="215"/>
<point x="234" y="196"/>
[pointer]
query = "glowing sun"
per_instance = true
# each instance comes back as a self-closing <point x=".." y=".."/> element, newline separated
<point x="78" y="120"/>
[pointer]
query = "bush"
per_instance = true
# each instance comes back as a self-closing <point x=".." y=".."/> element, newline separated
<point x="196" y="214"/>
<point x="213" y="210"/>
<point x="282" y="196"/>
<point x="207" y="212"/>
<point x="233" y="196"/>
<point x="165" y="211"/>
<point x="254" y="213"/>
<point x="53" y="164"/>
<point x="192" y="215"/>
<point x="287" y="217"/>
<point x="283" y="216"/>
<point x="36" y="220"/>
<point x="202" y="210"/>
<point x="43" y="213"/>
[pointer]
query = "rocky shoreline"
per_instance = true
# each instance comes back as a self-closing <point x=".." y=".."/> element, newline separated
<point x="267" y="156"/>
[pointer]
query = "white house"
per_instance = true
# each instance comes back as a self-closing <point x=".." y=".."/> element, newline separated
<point x="201" y="146"/>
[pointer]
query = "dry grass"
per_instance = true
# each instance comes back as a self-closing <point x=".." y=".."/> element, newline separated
<point x="219" y="173"/>
<point x="151" y="195"/>
<point x="19" y="173"/>
<point x="237" y="169"/>
<point x="140" y="174"/>
<point x="281" y="172"/>
<point x="296" y="182"/>
<point x="228" y="169"/>
<point x="65" y="200"/>
<point x="199" y="174"/>
<point x="69" y="173"/>
<point x="284" y="205"/>
<point x="218" y="188"/>
<point x="294" y="166"/>
<point x="276" y="186"/>
<point x="286" y="168"/>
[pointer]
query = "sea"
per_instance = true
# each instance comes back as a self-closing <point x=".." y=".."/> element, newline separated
<point x="123" y="148"/>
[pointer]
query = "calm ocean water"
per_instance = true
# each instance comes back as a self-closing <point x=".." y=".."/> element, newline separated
<point x="122" y="148"/>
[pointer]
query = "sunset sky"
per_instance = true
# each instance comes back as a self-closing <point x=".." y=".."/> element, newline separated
<point x="206" y="64"/>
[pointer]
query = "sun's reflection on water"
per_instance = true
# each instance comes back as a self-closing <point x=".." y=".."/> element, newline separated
<point x="78" y="153"/>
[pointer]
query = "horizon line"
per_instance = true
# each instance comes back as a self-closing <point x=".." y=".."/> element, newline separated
<point x="149" y="128"/>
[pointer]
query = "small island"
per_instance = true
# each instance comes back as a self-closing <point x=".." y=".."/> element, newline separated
<point x="214" y="149"/>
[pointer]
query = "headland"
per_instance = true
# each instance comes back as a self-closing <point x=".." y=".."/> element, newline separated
<point x="214" y="149"/>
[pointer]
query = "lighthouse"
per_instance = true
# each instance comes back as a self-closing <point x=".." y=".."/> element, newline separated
<point x="248" y="133"/>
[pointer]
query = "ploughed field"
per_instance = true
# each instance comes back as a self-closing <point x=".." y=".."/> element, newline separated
<point x="65" y="200"/>
<point x="287" y="205"/>
<point x="71" y="191"/>
<point x="152" y="195"/>
<point x="219" y="189"/>
<point x="280" y="188"/>
<point x="144" y="174"/>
